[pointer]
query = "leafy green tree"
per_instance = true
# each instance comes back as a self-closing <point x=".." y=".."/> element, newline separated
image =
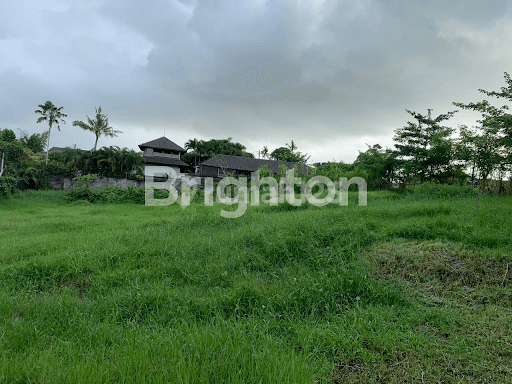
<point x="424" y="149"/>
<point x="281" y="153"/>
<point x="53" y="116"/>
<point x="482" y="152"/>
<point x="106" y="162"/>
<point x="496" y="123"/>
<point x="380" y="166"/>
<point x="99" y="126"/>
<point x="202" y="150"/>
<point x="8" y="136"/>
<point x="289" y="153"/>
<point x="35" y="142"/>
<point x="11" y="153"/>
<point x="192" y="145"/>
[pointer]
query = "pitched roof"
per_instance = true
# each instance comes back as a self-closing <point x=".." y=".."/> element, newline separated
<point x="162" y="143"/>
<point x="249" y="164"/>
<point x="164" y="161"/>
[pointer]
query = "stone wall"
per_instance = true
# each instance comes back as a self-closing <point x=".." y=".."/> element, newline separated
<point x="100" y="182"/>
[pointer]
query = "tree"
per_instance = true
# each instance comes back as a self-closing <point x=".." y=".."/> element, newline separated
<point x="482" y="152"/>
<point x="289" y="154"/>
<point x="379" y="164"/>
<point x="264" y="152"/>
<point x="8" y="136"/>
<point x="292" y="146"/>
<point x="203" y="150"/>
<point x="192" y="145"/>
<point x="424" y="149"/>
<point x="35" y="142"/>
<point x="52" y="115"/>
<point x="98" y="126"/>
<point x="496" y="123"/>
<point x="11" y="155"/>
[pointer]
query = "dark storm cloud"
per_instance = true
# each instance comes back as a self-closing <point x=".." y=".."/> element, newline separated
<point x="263" y="72"/>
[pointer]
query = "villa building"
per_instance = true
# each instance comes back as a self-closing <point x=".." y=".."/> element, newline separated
<point x="163" y="157"/>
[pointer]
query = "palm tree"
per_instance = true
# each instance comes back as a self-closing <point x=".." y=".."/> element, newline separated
<point x="292" y="146"/>
<point x="191" y="144"/>
<point x="264" y="152"/>
<point x="52" y="115"/>
<point x="99" y="126"/>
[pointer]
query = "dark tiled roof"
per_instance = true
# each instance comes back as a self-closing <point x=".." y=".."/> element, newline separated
<point x="164" y="161"/>
<point x="241" y="163"/>
<point x="162" y="143"/>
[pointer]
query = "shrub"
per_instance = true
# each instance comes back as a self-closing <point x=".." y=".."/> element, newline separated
<point x="444" y="191"/>
<point x="112" y="195"/>
<point x="7" y="186"/>
<point x="13" y="154"/>
<point x="84" y="181"/>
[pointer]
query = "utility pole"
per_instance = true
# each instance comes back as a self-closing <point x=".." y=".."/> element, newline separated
<point x="2" y="164"/>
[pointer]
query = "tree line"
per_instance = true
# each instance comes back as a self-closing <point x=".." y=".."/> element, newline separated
<point x="425" y="150"/>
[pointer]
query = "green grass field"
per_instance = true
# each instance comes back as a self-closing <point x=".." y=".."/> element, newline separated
<point x="411" y="288"/>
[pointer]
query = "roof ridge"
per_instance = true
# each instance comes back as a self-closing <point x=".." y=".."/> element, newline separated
<point x="162" y="143"/>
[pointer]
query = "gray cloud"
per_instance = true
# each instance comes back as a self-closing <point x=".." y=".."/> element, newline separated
<point x="331" y="75"/>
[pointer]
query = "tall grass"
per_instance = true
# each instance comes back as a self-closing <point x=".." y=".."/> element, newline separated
<point x="128" y="293"/>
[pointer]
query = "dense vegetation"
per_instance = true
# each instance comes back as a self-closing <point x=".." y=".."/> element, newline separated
<point x="425" y="151"/>
<point x="201" y="150"/>
<point x="412" y="288"/>
<point x="415" y="287"/>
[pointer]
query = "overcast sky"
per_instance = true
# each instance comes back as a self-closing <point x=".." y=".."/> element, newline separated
<point x="332" y="75"/>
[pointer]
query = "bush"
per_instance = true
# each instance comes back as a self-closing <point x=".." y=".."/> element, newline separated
<point x="444" y="191"/>
<point x="13" y="154"/>
<point x="112" y="195"/>
<point x="7" y="186"/>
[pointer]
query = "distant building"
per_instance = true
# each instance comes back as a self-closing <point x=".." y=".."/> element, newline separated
<point x="220" y="165"/>
<point x="163" y="157"/>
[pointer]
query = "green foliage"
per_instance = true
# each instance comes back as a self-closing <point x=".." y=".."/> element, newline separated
<point x="201" y="150"/>
<point x="98" y="126"/>
<point x="53" y="116"/>
<point x="288" y="153"/>
<point x="7" y="136"/>
<point x="334" y="171"/>
<point x="84" y="181"/>
<point x="489" y="151"/>
<point x="424" y="149"/>
<point x="398" y="291"/>
<point x="7" y="186"/>
<point x="35" y="177"/>
<point x="13" y="154"/>
<point x="35" y="142"/>
<point x="265" y="172"/>
<point x="111" y="162"/>
<point x="481" y="152"/>
<point x="380" y="167"/>
<point x="112" y="195"/>
<point x="443" y="191"/>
